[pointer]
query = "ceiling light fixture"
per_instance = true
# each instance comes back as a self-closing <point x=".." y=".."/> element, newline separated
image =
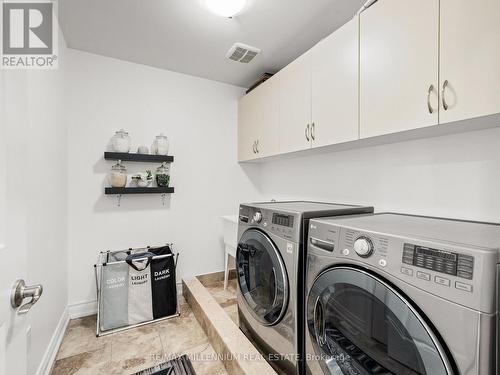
<point x="225" y="8"/>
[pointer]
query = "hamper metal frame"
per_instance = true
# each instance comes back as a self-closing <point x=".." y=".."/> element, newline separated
<point x="97" y="270"/>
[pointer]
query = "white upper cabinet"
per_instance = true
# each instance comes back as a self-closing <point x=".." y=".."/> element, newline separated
<point x="295" y="105"/>
<point x="335" y="87"/>
<point x="258" y="122"/>
<point x="470" y="59"/>
<point x="399" y="46"/>
<point x="398" y="66"/>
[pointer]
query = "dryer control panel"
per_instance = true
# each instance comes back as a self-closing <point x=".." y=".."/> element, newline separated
<point x="452" y="271"/>
<point x="446" y="262"/>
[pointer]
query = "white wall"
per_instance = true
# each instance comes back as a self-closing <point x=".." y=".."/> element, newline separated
<point x="199" y="117"/>
<point x="445" y="176"/>
<point x="452" y="176"/>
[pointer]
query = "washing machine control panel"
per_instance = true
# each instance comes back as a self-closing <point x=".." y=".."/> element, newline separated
<point x="283" y="224"/>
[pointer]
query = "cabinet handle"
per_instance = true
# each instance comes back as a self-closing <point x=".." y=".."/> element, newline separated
<point x="257" y="146"/>
<point x="307" y="133"/>
<point x="254" y="150"/>
<point x="313" y="131"/>
<point x="431" y="89"/>
<point x="445" y="85"/>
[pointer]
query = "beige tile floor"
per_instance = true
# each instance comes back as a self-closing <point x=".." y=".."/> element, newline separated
<point x="226" y="298"/>
<point x="136" y="349"/>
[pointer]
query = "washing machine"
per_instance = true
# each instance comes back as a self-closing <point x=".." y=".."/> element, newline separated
<point x="400" y="294"/>
<point x="270" y="270"/>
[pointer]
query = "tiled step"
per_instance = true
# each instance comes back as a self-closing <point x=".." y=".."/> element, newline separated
<point x="236" y="352"/>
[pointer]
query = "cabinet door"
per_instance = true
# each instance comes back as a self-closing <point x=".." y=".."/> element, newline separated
<point x="470" y="58"/>
<point x="399" y="43"/>
<point x="267" y="116"/>
<point x="335" y="87"/>
<point x="248" y="107"/>
<point x="295" y="104"/>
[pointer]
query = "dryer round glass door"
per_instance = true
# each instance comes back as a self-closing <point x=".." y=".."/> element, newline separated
<point x="359" y="324"/>
<point x="262" y="277"/>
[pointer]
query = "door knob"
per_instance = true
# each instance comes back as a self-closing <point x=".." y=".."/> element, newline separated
<point x="20" y="292"/>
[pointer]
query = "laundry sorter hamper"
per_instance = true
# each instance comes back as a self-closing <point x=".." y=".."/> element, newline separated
<point x="135" y="287"/>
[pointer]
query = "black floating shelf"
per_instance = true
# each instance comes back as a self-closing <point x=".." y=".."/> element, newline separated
<point x="126" y="156"/>
<point x="139" y="190"/>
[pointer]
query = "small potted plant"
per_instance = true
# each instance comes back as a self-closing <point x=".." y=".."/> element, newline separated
<point x="143" y="179"/>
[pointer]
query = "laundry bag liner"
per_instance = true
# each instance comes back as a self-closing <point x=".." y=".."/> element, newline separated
<point x="114" y="293"/>
<point x="164" y="288"/>
<point x="140" y="301"/>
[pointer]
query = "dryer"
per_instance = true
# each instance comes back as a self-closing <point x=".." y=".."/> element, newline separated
<point x="401" y="294"/>
<point x="270" y="272"/>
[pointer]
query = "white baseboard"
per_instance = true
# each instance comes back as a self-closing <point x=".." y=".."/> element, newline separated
<point x="49" y="356"/>
<point x="81" y="309"/>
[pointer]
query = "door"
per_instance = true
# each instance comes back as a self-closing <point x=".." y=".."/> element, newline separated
<point x="295" y="105"/>
<point x="335" y="87"/>
<point x="267" y="117"/>
<point x="399" y="43"/>
<point x="13" y="109"/>
<point x="248" y="126"/>
<point x="359" y="324"/>
<point x="258" y="122"/>
<point x="470" y="59"/>
<point x="262" y="277"/>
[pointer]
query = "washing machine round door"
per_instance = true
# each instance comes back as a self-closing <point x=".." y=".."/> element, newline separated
<point x="262" y="277"/>
<point x="359" y="324"/>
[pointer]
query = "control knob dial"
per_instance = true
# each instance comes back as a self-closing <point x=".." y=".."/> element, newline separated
<point x="363" y="246"/>
<point x="257" y="217"/>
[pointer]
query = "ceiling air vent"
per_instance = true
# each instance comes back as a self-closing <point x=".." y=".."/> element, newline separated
<point x="242" y="53"/>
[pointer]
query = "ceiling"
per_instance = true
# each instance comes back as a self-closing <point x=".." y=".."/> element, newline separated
<point x="182" y="36"/>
